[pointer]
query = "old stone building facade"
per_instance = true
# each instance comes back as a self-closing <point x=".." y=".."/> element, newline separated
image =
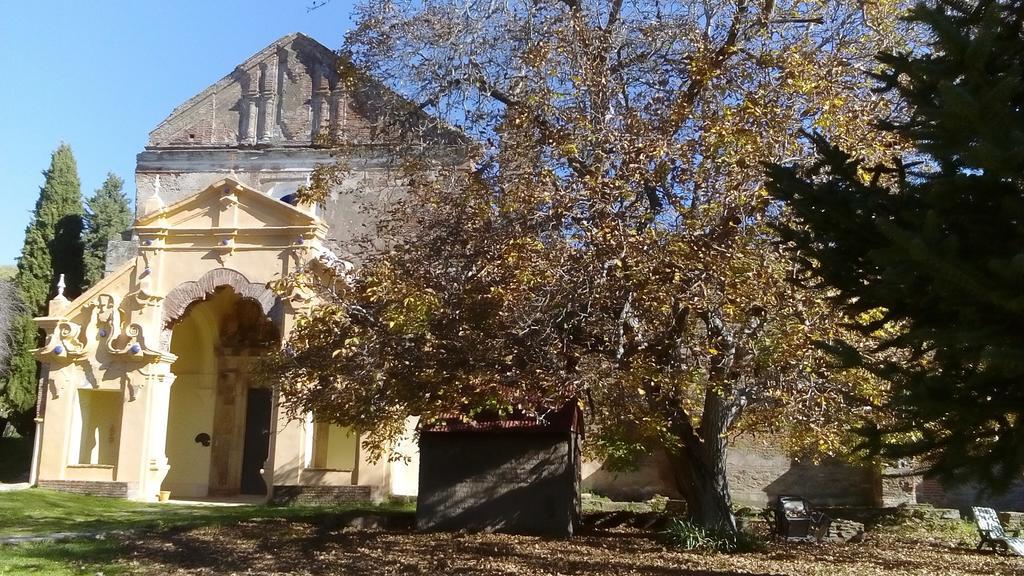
<point x="147" y="384"/>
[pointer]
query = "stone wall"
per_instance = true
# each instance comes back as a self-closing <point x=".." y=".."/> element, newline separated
<point x="524" y="483"/>
<point x="930" y="491"/>
<point x="92" y="488"/>
<point x="652" y="477"/>
<point x="118" y="253"/>
<point x="759" y="471"/>
<point x="895" y="486"/>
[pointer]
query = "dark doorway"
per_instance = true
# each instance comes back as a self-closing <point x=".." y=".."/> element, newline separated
<point x="257" y="440"/>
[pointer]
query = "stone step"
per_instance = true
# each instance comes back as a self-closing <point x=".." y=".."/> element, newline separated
<point x="927" y="512"/>
<point x="295" y="495"/>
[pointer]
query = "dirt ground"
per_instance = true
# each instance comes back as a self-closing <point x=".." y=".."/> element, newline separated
<point x="275" y="546"/>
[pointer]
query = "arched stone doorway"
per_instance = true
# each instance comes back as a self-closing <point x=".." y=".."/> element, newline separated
<point x="219" y="421"/>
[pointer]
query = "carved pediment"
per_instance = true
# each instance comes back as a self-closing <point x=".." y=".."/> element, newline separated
<point x="226" y="204"/>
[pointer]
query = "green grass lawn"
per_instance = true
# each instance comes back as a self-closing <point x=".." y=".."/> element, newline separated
<point x="41" y="512"/>
<point x="63" y="558"/>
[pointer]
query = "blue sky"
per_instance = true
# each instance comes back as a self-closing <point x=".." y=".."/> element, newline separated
<point x="100" y="75"/>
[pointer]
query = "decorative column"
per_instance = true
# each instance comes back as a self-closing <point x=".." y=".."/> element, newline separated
<point x="337" y="122"/>
<point x="290" y="435"/>
<point x="145" y="299"/>
<point x="320" y="108"/>
<point x="142" y="463"/>
<point x="158" y="380"/>
<point x="63" y="349"/>
<point x="134" y="341"/>
<point x="268" y="93"/>
<point x="249" y="110"/>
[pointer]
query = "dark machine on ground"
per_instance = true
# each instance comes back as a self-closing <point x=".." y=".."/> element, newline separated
<point x="793" y="518"/>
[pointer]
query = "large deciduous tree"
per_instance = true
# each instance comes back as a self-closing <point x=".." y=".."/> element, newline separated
<point x="931" y="247"/>
<point x="109" y="215"/>
<point x="53" y="245"/>
<point x="613" y="240"/>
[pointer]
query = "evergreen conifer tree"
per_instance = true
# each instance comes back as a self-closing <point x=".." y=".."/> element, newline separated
<point x="108" y="216"/>
<point x="929" y="251"/>
<point x="53" y="246"/>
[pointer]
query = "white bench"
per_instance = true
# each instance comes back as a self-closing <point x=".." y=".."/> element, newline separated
<point x="992" y="533"/>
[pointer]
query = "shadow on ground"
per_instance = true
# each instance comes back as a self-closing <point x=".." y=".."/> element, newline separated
<point x="281" y="546"/>
<point x="191" y="540"/>
<point x="301" y="549"/>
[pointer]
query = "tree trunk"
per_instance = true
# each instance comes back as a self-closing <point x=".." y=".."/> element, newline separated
<point x="699" y="466"/>
<point x="703" y="482"/>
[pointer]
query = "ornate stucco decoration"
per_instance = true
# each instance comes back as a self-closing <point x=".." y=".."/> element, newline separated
<point x="64" y="379"/>
<point x="69" y="342"/>
<point x="145" y="299"/>
<point x="122" y="339"/>
<point x="105" y="315"/>
<point x="149" y="377"/>
<point x="131" y="344"/>
<point x="62" y="342"/>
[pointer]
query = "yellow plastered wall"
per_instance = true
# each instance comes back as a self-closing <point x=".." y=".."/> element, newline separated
<point x="339" y="449"/>
<point x="404" y="469"/>
<point x="98" y="425"/>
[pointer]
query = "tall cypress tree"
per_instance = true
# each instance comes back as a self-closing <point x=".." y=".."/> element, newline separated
<point x="108" y="215"/>
<point x="53" y="246"/>
<point x="53" y="239"/>
<point x="931" y="249"/>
